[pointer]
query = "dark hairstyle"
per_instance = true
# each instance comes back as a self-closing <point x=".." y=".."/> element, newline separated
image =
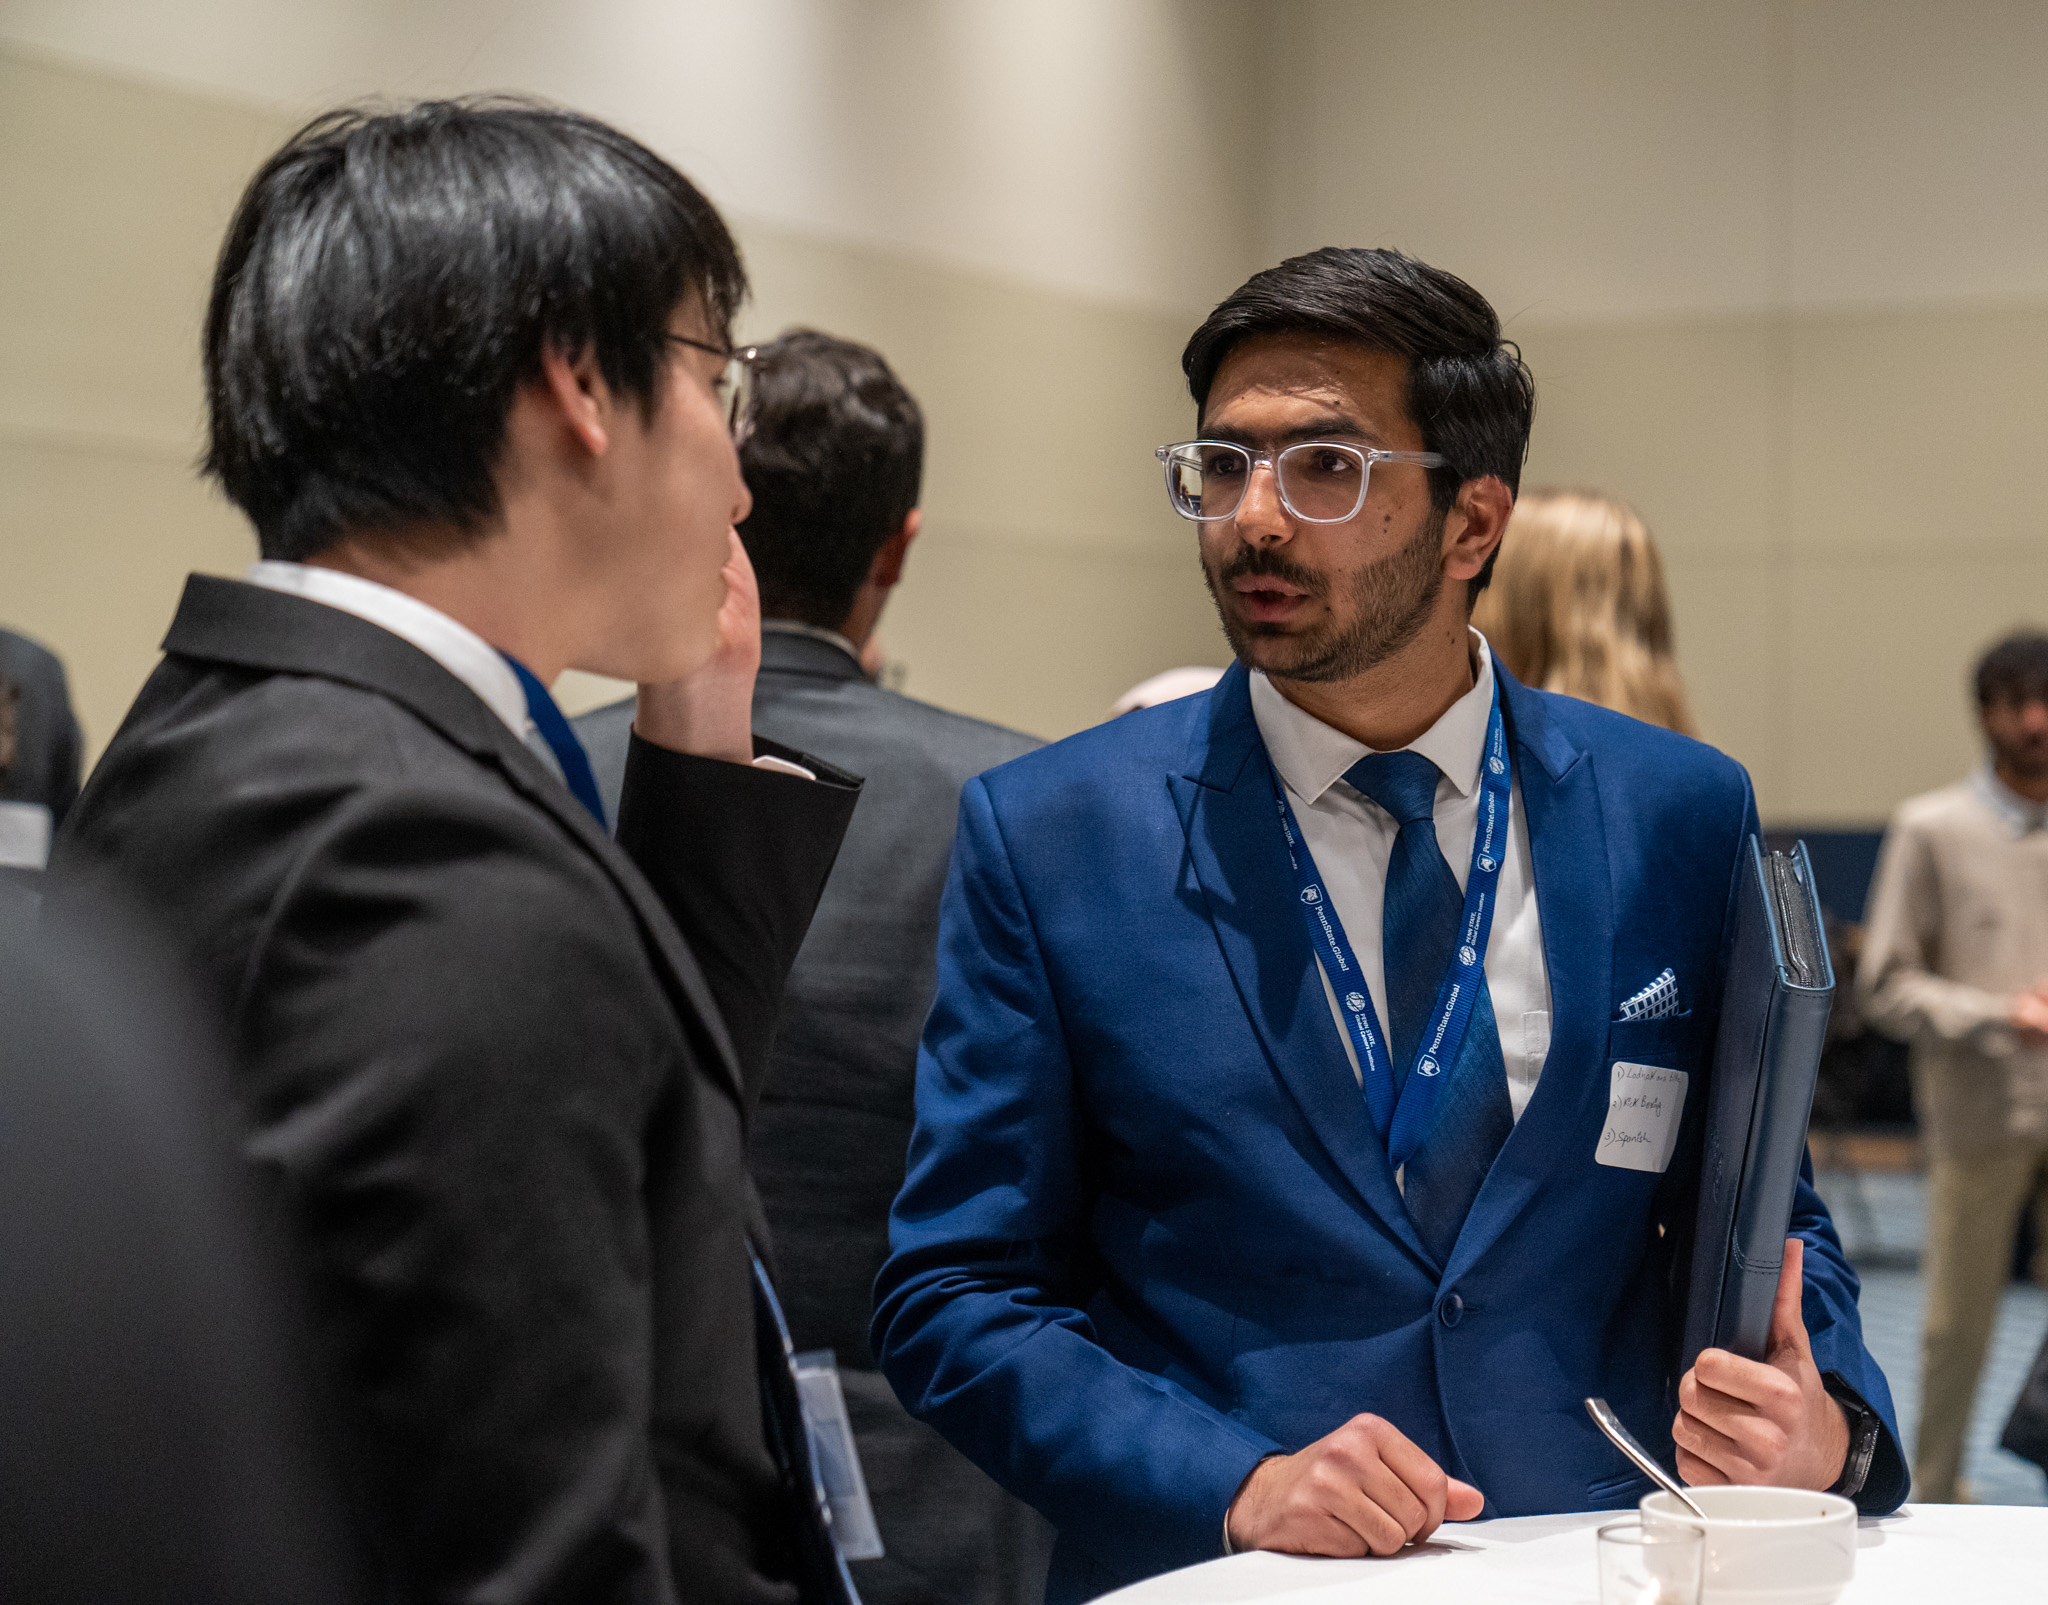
<point x="2015" y="669"/>
<point x="1469" y="391"/>
<point x="391" y="277"/>
<point x="833" y="457"/>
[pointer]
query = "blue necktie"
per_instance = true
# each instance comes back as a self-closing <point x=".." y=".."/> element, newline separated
<point x="561" y="740"/>
<point x="1419" y="929"/>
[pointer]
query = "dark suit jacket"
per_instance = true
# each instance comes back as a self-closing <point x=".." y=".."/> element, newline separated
<point x="827" y="1148"/>
<point x="493" y="1081"/>
<point x="48" y="748"/>
<point x="837" y="1111"/>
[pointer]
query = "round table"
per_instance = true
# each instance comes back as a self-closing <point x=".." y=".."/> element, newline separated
<point x="1962" y="1553"/>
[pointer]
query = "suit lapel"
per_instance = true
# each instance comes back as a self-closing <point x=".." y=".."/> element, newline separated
<point x="227" y="621"/>
<point x="1225" y="801"/>
<point x="1575" y="904"/>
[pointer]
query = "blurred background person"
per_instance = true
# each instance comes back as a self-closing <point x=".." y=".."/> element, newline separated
<point x="1170" y="685"/>
<point x="40" y="751"/>
<point x="1956" y="960"/>
<point x="160" y="1436"/>
<point x="833" y="453"/>
<point x="1578" y="605"/>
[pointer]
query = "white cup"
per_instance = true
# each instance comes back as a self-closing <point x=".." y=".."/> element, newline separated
<point x="1768" y="1546"/>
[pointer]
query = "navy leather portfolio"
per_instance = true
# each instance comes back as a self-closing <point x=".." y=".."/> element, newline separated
<point x="1774" y="1022"/>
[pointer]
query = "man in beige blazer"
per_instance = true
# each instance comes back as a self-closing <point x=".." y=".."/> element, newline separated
<point x="1956" y="961"/>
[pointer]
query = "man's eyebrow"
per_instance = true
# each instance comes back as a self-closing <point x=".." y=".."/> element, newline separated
<point x="1331" y="426"/>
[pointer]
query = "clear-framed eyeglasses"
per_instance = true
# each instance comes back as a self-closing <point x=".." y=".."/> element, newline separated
<point x="735" y="383"/>
<point x="1320" y="481"/>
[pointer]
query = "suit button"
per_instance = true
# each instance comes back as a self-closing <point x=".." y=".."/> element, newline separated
<point x="1450" y="1309"/>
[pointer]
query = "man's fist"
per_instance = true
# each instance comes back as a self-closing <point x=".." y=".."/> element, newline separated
<point x="1763" y="1421"/>
<point x="1363" y="1490"/>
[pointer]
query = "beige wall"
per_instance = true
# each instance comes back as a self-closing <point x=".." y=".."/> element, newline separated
<point x="1778" y="265"/>
<point x="116" y="190"/>
<point x="1782" y="273"/>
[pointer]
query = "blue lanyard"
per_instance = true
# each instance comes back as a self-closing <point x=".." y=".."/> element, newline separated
<point x="1402" y="1113"/>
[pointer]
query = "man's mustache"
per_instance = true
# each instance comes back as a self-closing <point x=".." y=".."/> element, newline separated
<point x="1257" y="562"/>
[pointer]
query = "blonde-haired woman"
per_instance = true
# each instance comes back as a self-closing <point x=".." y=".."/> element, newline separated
<point x="1578" y="605"/>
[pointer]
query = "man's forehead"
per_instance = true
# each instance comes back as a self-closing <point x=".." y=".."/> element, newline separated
<point x="1303" y="372"/>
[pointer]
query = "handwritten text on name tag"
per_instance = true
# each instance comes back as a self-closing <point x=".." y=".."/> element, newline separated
<point x="1644" y="1103"/>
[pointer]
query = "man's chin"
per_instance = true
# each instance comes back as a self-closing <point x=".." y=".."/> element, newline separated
<point x="1269" y="646"/>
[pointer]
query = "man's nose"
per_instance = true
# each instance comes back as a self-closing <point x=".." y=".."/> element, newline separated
<point x="2034" y="714"/>
<point x="1261" y="519"/>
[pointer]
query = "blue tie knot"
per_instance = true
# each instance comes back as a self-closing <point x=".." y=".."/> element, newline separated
<point x="1403" y="783"/>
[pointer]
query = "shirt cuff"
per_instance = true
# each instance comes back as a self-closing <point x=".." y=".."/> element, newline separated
<point x="782" y="766"/>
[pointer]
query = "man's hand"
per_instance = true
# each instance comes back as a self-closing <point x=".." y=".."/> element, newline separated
<point x="2027" y="1014"/>
<point x="1764" y="1421"/>
<point x="1363" y="1490"/>
<point x="711" y="712"/>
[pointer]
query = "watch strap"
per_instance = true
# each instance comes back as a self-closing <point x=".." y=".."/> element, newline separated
<point x="1864" y="1428"/>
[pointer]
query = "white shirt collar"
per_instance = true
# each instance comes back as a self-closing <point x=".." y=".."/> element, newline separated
<point x="1312" y="756"/>
<point x="457" y="648"/>
<point x="2019" y="814"/>
<point x="829" y="637"/>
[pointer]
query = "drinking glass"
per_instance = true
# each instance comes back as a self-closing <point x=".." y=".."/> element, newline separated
<point x="1654" y="1565"/>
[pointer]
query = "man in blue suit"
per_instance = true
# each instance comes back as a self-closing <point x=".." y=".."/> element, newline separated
<point x="1268" y="1188"/>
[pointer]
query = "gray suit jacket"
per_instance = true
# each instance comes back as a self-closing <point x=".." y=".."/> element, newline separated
<point x="836" y="1113"/>
<point x="828" y="1142"/>
<point x="46" y="749"/>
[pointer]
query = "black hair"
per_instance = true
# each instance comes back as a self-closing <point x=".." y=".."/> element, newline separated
<point x="2014" y="670"/>
<point x="1469" y="391"/>
<point x="392" y="276"/>
<point x="834" y="457"/>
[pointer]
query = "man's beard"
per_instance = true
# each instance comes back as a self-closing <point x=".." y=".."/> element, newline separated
<point x="1392" y="600"/>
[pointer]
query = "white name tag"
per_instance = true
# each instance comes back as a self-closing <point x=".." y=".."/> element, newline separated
<point x="24" y="835"/>
<point x="1643" y="1106"/>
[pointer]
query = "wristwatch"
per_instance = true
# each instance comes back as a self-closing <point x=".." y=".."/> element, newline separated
<point x="1863" y="1430"/>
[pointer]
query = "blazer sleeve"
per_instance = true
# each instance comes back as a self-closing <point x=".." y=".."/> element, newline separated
<point x="981" y="1322"/>
<point x="1835" y="1329"/>
<point x="452" y="1056"/>
<point x="739" y="856"/>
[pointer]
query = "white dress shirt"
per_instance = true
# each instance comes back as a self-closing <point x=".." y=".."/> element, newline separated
<point x="1352" y="839"/>
<point x="456" y="647"/>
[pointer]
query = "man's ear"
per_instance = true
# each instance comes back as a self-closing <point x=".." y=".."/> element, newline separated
<point x="1473" y="530"/>
<point x="887" y="567"/>
<point x="576" y="387"/>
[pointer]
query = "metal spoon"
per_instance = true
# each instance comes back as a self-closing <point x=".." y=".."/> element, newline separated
<point x="1608" y="1422"/>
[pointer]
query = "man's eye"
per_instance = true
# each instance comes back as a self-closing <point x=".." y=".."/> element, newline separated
<point x="1332" y="463"/>
<point x="1224" y="465"/>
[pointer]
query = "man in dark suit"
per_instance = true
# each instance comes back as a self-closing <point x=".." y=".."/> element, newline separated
<point x="833" y="458"/>
<point x="41" y="750"/>
<point x="469" y="377"/>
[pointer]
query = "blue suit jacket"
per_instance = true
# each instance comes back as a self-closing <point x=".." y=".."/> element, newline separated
<point x="1148" y="1232"/>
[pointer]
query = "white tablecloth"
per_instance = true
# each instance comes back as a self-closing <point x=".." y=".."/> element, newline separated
<point x="1925" y="1555"/>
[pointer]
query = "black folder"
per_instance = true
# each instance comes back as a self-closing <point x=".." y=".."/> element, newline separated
<point x="1774" y="1023"/>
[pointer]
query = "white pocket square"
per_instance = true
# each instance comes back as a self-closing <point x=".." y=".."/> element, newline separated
<point x="1657" y="1001"/>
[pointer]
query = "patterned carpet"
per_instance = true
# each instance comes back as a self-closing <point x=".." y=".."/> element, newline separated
<point x="1880" y="1218"/>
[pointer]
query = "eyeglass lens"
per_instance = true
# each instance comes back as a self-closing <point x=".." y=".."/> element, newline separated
<point x="736" y="384"/>
<point x="1319" y="482"/>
